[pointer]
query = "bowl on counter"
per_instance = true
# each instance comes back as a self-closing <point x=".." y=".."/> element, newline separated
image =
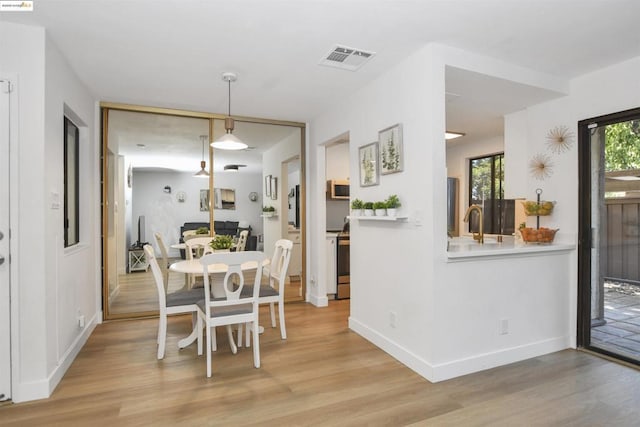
<point x="538" y="235"/>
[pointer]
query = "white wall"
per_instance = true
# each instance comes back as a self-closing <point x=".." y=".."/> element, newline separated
<point x="164" y="214"/>
<point x="272" y="164"/>
<point x="402" y="284"/>
<point x="337" y="167"/>
<point x="446" y="314"/>
<point x="51" y="285"/>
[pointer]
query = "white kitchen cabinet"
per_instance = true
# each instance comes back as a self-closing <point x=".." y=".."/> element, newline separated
<point x="331" y="284"/>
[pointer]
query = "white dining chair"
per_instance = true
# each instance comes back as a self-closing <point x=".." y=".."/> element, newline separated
<point x="175" y="303"/>
<point x="242" y="241"/>
<point x="235" y="308"/>
<point x="273" y="292"/>
<point x="195" y="247"/>
<point x="164" y="265"/>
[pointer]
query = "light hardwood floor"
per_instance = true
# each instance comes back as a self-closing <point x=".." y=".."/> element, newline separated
<point x="137" y="291"/>
<point x="324" y="375"/>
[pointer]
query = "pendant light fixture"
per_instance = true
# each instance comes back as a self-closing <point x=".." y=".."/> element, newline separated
<point x="202" y="173"/>
<point x="228" y="141"/>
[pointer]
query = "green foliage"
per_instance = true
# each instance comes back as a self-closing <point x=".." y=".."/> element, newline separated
<point x="221" y="241"/>
<point x="482" y="185"/>
<point x="368" y="168"/>
<point x="368" y="205"/>
<point x="202" y="230"/>
<point x="390" y="155"/>
<point x="357" y="204"/>
<point x="379" y="205"/>
<point x="268" y="209"/>
<point x="622" y="146"/>
<point x="393" y="202"/>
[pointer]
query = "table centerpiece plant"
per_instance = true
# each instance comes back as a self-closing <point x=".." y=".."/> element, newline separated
<point x="221" y="243"/>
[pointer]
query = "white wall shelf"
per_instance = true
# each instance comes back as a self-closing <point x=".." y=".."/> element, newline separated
<point x="380" y="218"/>
<point x="269" y="216"/>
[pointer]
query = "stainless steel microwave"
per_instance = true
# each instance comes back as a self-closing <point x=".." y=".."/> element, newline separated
<point x="338" y="189"/>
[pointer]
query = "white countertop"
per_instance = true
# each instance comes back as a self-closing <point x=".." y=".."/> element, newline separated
<point x="465" y="248"/>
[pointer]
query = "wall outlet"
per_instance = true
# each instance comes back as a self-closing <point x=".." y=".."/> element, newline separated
<point x="393" y="319"/>
<point x="81" y="322"/>
<point x="503" y="326"/>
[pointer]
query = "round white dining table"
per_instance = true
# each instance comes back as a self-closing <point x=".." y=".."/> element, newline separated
<point x="217" y="284"/>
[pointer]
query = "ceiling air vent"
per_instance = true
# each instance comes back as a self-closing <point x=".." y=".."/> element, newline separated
<point x="346" y="58"/>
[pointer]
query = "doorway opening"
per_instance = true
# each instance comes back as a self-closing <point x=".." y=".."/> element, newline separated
<point x="609" y="244"/>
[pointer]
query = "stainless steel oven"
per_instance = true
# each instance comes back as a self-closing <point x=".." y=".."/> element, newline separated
<point x="342" y="266"/>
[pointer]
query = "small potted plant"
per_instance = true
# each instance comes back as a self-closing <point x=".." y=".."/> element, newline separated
<point x="393" y="203"/>
<point x="368" y="209"/>
<point x="380" y="208"/>
<point x="268" y="211"/>
<point x="221" y="243"/>
<point x="356" y="207"/>
<point x="202" y="230"/>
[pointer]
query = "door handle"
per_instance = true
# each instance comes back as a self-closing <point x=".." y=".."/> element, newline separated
<point x="1" y="260"/>
<point x="1" y="235"/>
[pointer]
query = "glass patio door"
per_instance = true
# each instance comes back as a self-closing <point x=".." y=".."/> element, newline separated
<point x="609" y="306"/>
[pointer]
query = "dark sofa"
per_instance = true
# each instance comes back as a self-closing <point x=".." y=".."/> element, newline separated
<point x="229" y="228"/>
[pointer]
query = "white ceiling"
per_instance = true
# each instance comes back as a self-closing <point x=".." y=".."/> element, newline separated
<point x="174" y="143"/>
<point x="171" y="53"/>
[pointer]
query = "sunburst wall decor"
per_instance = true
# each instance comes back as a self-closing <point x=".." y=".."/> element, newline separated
<point x="541" y="167"/>
<point x="559" y="139"/>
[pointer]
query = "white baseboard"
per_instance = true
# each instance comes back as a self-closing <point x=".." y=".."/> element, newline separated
<point x="456" y="368"/>
<point x="319" y="301"/>
<point x="44" y="388"/>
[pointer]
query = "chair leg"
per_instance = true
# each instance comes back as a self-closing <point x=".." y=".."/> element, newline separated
<point x="273" y="314"/>
<point x="232" y="343"/>
<point x="256" y="343"/>
<point x="214" y="342"/>
<point x="283" y="329"/>
<point x="208" y="351"/>
<point x="248" y="327"/>
<point x="162" y="335"/>
<point x="199" y="328"/>
<point x="240" y="328"/>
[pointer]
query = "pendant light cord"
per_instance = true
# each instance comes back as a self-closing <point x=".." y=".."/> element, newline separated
<point x="229" y="114"/>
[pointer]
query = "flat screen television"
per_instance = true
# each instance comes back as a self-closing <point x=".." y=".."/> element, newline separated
<point x="141" y="232"/>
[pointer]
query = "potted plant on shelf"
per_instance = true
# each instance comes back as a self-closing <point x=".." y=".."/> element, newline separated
<point x="393" y="203"/>
<point x="380" y="208"/>
<point x="221" y="243"/>
<point x="268" y="211"/>
<point x="356" y="207"/>
<point x="368" y="209"/>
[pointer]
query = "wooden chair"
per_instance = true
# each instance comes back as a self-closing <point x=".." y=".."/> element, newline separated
<point x="236" y="307"/>
<point x="269" y="294"/>
<point x="174" y="303"/>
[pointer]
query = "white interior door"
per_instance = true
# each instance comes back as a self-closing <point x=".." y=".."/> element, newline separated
<point x="5" y="313"/>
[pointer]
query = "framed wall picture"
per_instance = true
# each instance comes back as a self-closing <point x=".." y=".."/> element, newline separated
<point x="390" y="140"/>
<point x="267" y="186"/>
<point x="368" y="161"/>
<point x="274" y="188"/>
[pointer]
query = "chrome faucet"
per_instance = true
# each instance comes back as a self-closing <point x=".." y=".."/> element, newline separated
<point x="476" y="236"/>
